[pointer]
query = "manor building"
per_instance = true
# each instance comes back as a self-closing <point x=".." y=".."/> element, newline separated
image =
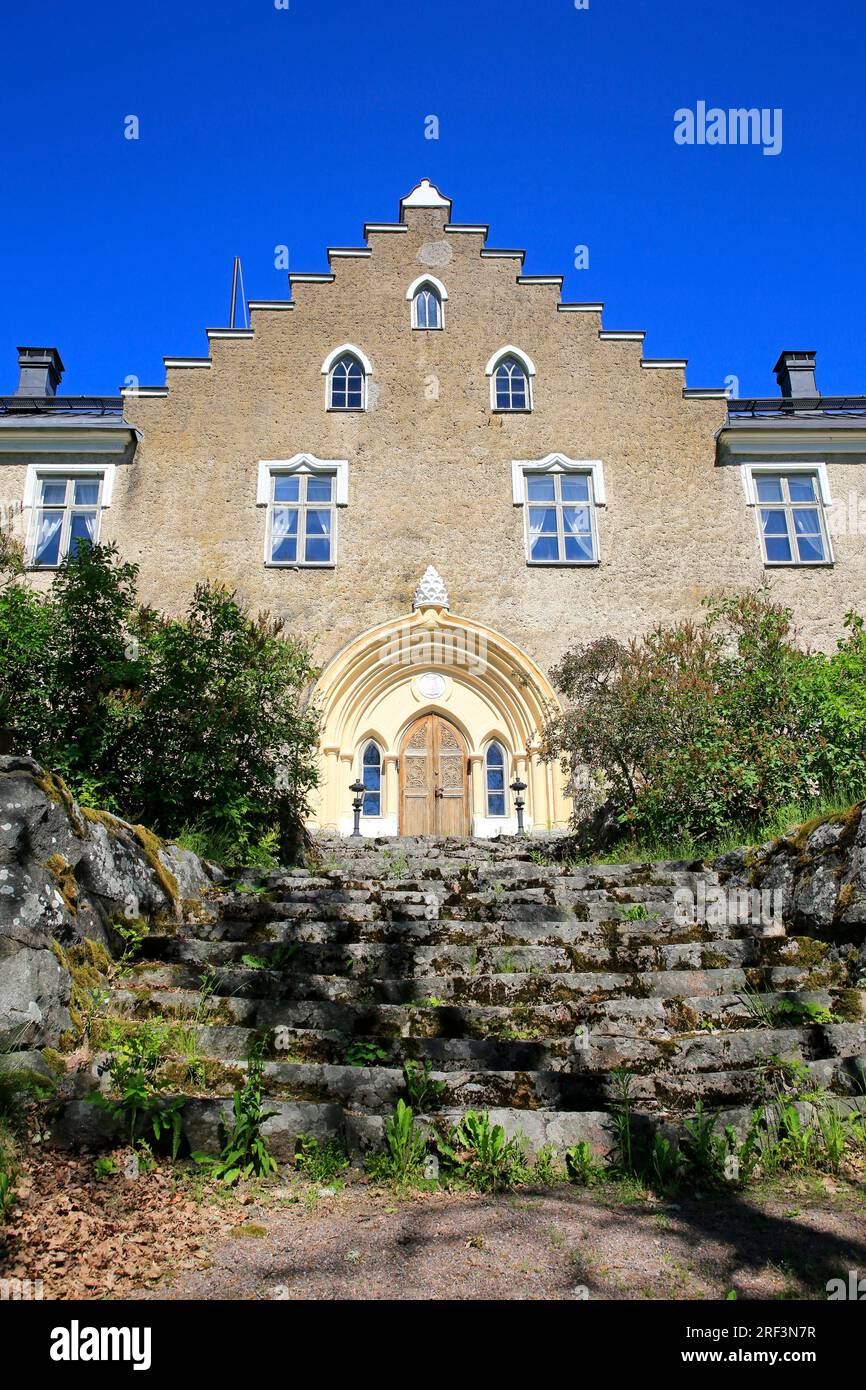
<point x="442" y="476"/>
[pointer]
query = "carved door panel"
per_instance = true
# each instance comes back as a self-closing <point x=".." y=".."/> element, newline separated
<point x="433" y="782"/>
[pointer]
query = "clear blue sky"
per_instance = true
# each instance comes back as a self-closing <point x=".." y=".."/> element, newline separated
<point x="261" y="126"/>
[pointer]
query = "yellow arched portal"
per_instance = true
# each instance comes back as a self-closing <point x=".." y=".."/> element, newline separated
<point x="434" y="662"/>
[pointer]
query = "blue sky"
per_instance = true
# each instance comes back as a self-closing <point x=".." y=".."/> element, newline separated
<point x="262" y="126"/>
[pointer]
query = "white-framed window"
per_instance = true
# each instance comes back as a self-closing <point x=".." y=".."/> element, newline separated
<point x="428" y="296"/>
<point x="495" y="779"/>
<point x="560" y="519"/>
<point x="302" y="519"/>
<point x="789" y="502"/>
<point x="67" y="507"/>
<point x="511" y="373"/>
<point x="371" y="776"/>
<point x="346" y="370"/>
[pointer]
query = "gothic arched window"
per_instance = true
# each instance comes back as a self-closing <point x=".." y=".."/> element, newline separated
<point x="371" y="776"/>
<point x="494" y="779"/>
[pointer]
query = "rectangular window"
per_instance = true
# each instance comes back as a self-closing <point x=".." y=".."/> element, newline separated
<point x="302" y="519"/>
<point x="66" y="513"/>
<point x="791" y="516"/>
<point x="560" y="520"/>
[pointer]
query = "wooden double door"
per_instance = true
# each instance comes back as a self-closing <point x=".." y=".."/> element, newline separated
<point x="434" y="791"/>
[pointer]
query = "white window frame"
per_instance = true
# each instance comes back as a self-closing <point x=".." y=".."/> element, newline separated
<point x="302" y="465"/>
<point x="347" y="349"/>
<point x="749" y="472"/>
<point x="427" y="282"/>
<point x="560" y="464"/>
<point x="365" y="744"/>
<point x="528" y="366"/>
<point x="104" y="473"/>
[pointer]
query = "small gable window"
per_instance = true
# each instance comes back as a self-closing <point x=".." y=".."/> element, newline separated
<point x="512" y="385"/>
<point x="494" y="768"/>
<point x="371" y="776"/>
<point x="347" y="383"/>
<point x="426" y="309"/>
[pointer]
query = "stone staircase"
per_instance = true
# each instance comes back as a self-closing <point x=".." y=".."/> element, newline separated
<point x="525" y="982"/>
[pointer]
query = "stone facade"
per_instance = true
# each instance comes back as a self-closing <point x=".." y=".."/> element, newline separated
<point x="429" y="475"/>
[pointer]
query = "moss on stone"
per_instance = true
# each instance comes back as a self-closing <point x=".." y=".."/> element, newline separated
<point x="54" y="787"/>
<point x="67" y="884"/>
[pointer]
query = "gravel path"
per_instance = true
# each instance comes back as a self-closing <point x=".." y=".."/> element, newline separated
<point x="560" y="1243"/>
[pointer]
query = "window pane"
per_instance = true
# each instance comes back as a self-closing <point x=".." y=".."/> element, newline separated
<point x="806" y="522"/>
<point x="801" y="489"/>
<point x="318" y="522"/>
<point x="286" y="489"/>
<point x="371" y="804"/>
<point x="319" y="489"/>
<point x="518" y="395"/>
<point x="318" y="546"/>
<point x="371" y="755"/>
<point x="47" y="547"/>
<point x="774" y="523"/>
<point x="768" y="489"/>
<point x="544" y="548"/>
<point x="496" y="804"/>
<point x="494" y="756"/>
<point x="576" y="520"/>
<point x="86" y="493"/>
<point x="540" y="489"/>
<point x="811" y="549"/>
<point x="82" y="527"/>
<point x="575" y="489"/>
<point x="53" y="492"/>
<point x="542" y="520"/>
<point x="778" y="549"/>
<point x="284" y="535"/>
<point x="371" y="777"/>
<point x="496" y="779"/>
<point x="579" y="548"/>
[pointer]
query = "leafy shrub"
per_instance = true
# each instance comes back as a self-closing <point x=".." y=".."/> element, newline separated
<point x="424" y="1093"/>
<point x="140" y="1104"/>
<point x="477" y="1152"/>
<point x="580" y="1165"/>
<point x="405" y="1149"/>
<point x="320" y="1160"/>
<point x="197" y="725"/>
<point x="365" y="1054"/>
<point x="706" y="727"/>
<point x="246" y="1153"/>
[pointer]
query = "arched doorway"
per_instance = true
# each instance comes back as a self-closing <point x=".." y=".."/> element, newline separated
<point x="434" y="786"/>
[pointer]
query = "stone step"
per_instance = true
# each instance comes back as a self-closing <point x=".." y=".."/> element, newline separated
<point x="590" y="1050"/>
<point x="407" y="962"/>
<point x="624" y="1017"/>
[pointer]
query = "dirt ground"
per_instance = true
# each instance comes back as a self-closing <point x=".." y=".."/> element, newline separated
<point x="170" y="1234"/>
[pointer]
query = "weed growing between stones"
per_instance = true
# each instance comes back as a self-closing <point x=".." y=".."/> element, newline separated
<point x="246" y="1153"/>
<point x="321" y="1160"/>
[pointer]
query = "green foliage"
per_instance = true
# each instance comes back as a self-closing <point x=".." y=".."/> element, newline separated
<point x="196" y="726"/>
<point x="104" y="1167"/>
<point x="320" y="1160"/>
<point x="246" y="1153"/>
<point x="365" y="1054"/>
<point x="139" y="1103"/>
<point x="9" y="1173"/>
<point x="580" y="1165"/>
<point x="477" y="1153"/>
<point x="703" y="729"/>
<point x="424" y="1093"/>
<point x="405" y="1149"/>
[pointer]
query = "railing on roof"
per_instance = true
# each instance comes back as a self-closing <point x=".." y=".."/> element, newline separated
<point x="61" y="405"/>
<point x="775" y="406"/>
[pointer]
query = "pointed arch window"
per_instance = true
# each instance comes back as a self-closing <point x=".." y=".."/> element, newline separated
<point x="511" y="373"/>
<point x="347" y="384"/>
<point x="426" y="309"/>
<point x="371" y="776"/>
<point x="494" y="779"/>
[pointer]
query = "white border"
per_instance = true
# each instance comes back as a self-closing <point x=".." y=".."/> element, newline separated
<point x="748" y="470"/>
<point x="105" y="471"/>
<point x="557" y="463"/>
<point x="355" y="351"/>
<point x="529" y="366"/>
<point x="302" y="463"/>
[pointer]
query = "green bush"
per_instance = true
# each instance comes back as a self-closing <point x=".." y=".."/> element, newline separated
<point x="195" y="726"/>
<point x="703" y="728"/>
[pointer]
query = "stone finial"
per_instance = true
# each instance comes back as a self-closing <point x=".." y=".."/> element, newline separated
<point x="431" y="591"/>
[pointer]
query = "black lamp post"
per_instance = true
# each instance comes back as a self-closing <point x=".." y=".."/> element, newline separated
<point x="357" y="804"/>
<point x="518" y="787"/>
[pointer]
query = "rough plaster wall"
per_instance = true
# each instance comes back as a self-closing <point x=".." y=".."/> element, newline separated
<point x="430" y="480"/>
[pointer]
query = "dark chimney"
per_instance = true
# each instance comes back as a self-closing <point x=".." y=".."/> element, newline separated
<point x="41" y="370"/>
<point x="795" y="373"/>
